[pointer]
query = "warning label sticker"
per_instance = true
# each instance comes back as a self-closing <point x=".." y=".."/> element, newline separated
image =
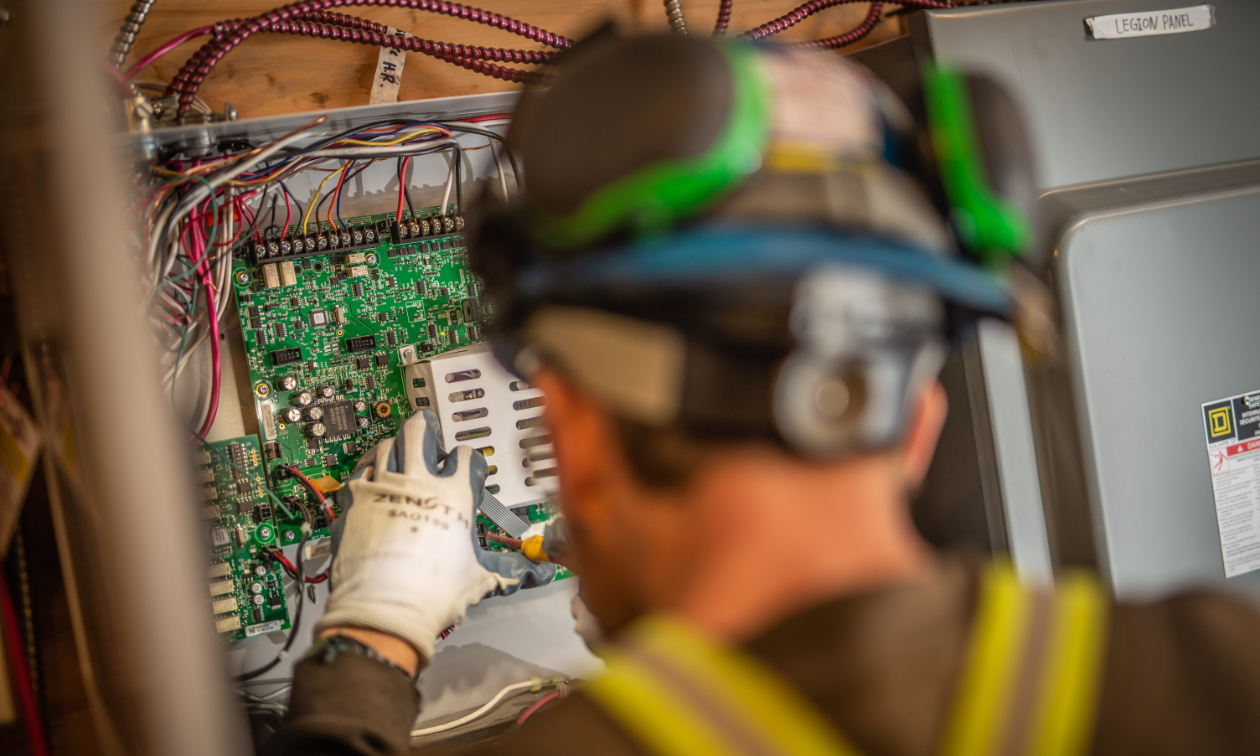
<point x="1232" y="429"/>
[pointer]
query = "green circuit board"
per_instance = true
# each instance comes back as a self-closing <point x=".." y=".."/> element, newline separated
<point x="324" y="329"/>
<point x="246" y="591"/>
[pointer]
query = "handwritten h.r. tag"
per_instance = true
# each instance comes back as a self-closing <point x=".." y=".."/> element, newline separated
<point x="1152" y="23"/>
<point x="389" y="69"/>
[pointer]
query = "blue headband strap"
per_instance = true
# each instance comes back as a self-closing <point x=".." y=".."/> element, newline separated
<point x="714" y="256"/>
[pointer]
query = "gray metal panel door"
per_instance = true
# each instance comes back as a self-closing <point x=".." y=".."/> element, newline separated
<point x="1162" y="306"/>
<point x="1105" y="109"/>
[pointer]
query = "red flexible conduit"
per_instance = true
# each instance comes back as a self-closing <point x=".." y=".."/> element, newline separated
<point x="723" y="18"/>
<point x="849" y="37"/>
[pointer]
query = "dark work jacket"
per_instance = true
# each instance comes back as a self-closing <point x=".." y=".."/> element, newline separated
<point x="1181" y="676"/>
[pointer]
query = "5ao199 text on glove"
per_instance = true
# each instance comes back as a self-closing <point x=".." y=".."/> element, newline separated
<point x="406" y="562"/>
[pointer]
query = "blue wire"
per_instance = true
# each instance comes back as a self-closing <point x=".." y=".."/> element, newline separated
<point x="345" y="176"/>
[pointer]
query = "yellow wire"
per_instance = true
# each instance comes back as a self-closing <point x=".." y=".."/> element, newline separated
<point x="319" y="189"/>
<point x="403" y="138"/>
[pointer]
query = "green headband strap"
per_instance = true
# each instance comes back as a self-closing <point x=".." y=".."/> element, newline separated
<point x="986" y="222"/>
<point x="651" y="200"/>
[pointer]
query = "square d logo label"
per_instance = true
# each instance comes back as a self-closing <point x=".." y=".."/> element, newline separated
<point x="1220" y="420"/>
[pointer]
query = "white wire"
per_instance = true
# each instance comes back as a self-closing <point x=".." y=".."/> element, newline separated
<point x="498" y="164"/>
<point x="276" y="692"/>
<point x="390" y="150"/>
<point x="484" y="709"/>
<point x="450" y="181"/>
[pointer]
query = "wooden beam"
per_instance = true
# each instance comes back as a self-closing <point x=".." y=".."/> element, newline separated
<point x="271" y="74"/>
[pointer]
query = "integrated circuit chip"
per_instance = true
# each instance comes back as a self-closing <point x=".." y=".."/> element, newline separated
<point x="339" y="419"/>
<point x="319" y="318"/>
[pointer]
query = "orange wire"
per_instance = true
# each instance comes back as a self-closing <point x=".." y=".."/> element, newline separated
<point x="332" y="201"/>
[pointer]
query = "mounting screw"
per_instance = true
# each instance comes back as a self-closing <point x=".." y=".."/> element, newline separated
<point x="242" y="277"/>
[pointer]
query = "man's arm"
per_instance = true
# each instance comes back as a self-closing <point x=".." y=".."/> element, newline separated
<point x="352" y="706"/>
<point x="406" y="566"/>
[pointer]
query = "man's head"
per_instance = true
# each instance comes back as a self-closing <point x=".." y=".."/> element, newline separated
<point x="736" y="294"/>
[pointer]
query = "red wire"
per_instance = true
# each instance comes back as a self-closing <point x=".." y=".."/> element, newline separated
<point x="402" y="188"/>
<point x="535" y="706"/>
<point x="282" y="559"/>
<point x="22" y="676"/>
<point x="314" y="489"/>
<point x="479" y="119"/>
<point x="310" y="484"/>
<point x="195" y="254"/>
<point x="147" y="60"/>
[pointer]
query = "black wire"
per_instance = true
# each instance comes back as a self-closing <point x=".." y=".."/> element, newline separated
<point x="405" y="188"/>
<point x="299" y="205"/>
<point x="516" y="171"/>
<point x="274" y="200"/>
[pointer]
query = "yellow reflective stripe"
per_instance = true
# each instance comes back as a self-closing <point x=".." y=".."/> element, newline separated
<point x="1074" y="668"/>
<point x="650" y="711"/>
<point x="981" y="704"/>
<point x="781" y="716"/>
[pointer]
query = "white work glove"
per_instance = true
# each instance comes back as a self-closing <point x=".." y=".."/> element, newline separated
<point x="406" y="560"/>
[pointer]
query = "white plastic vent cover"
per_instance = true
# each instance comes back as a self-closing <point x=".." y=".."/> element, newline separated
<point x="484" y="406"/>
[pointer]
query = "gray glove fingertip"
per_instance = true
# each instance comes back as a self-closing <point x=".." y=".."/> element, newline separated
<point x="421" y="428"/>
<point x="512" y="564"/>
<point x="477" y="467"/>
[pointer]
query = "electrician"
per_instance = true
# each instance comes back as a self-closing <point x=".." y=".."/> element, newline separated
<point x="734" y="272"/>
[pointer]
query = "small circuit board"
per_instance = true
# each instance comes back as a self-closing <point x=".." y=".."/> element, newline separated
<point x="246" y="589"/>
